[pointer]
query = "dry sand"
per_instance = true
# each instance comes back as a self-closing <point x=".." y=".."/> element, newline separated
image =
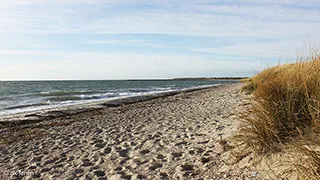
<point x="175" y="137"/>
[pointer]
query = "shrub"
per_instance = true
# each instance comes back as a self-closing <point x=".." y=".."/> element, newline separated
<point x="286" y="105"/>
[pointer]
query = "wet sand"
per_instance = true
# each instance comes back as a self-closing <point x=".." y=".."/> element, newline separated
<point x="174" y="137"/>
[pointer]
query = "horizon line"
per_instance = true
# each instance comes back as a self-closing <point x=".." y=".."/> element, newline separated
<point x="130" y="79"/>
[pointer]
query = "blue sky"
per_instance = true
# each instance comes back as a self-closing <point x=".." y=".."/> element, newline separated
<point x="129" y="39"/>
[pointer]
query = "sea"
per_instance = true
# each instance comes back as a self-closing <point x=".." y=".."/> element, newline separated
<point x="23" y="96"/>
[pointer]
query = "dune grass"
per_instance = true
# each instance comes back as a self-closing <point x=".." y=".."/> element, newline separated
<point x="286" y="111"/>
<point x="306" y="153"/>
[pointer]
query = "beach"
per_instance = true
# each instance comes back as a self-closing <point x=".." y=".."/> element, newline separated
<point x="171" y="137"/>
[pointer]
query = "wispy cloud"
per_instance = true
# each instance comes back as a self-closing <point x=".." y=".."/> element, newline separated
<point x="128" y="41"/>
<point x="254" y="19"/>
<point x="235" y="31"/>
<point x="89" y="65"/>
<point x="288" y="49"/>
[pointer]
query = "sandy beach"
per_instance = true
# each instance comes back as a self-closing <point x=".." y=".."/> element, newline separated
<point x="174" y="137"/>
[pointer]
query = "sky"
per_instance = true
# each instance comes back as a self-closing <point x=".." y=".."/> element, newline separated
<point x="143" y="39"/>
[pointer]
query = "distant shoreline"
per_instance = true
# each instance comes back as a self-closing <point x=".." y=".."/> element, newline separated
<point x="190" y="79"/>
<point x="169" y="79"/>
<point x="212" y="78"/>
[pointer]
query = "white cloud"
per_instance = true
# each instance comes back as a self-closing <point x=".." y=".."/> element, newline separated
<point x="127" y="41"/>
<point x="278" y="29"/>
<point x="254" y="19"/>
<point x="88" y="65"/>
<point x="272" y="12"/>
<point x="288" y="49"/>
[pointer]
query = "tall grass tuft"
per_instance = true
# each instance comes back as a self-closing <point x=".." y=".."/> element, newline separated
<point x="286" y="105"/>
<point x="285" y="113"/>
<point x="306" y="156"/>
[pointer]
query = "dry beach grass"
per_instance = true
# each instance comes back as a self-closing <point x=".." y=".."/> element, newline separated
<point x="285" y="117"/>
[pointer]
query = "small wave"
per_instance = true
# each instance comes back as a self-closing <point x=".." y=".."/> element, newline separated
<point x="109" y="95"/>
<point x="64" y="98"/>
<point x="138" y="90"/>
<point x="26" y="106"/>
<point x="6" y="98"/>
<point x="125" y="94"/>
<point x="162" y="88"/>
<point x="76" y="97"/>
<point x="96" y="96"/>
<point x="66" y="93"/>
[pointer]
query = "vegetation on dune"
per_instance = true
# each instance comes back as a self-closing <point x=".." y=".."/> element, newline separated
<point x="285" y="113"/>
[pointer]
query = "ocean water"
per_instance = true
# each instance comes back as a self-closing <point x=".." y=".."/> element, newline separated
<point x="20" y="96"/>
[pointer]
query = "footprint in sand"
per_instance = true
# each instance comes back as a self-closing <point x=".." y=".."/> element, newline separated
<point x="78" y="171"/>
<point x="36" y="159"/>
<point x="133" y="143"/>
<point x="123" y="161"/>
<point x="181" y="143"/>
<point x="187" y="168"/>
<point x="50" y="161"/>
<point x="141" y="177"/>
<point x="164" y="176"/>
<point x="99" y="173"/>
<point x="107" y="150"/>
<point x="155" y="166"/>
<point x="119" y="168"/>
<point x="199" y="150"/>
<point x="160" y="156"/>
<point x="205" y="160"/>
<point x="98" y="131"/>
<point x="144" y="152"/>
<point x="123" y="152"/>
<point x="140" y="161"/>
<point x="191" y="152"/>
<point x="176" y="155"/>
<point x="203" y="142"/>
<point x="125" y="176"/>
<point x="43" y="170"/>
<point x="36" y="175"/>
<point x="86" y="162"/>
<point x="100" y="145"/>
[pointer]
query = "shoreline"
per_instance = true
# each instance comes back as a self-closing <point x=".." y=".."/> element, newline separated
<point x="169" y="79"/>
<point x="172" y="137"/>
<point x="70" y="109"/>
